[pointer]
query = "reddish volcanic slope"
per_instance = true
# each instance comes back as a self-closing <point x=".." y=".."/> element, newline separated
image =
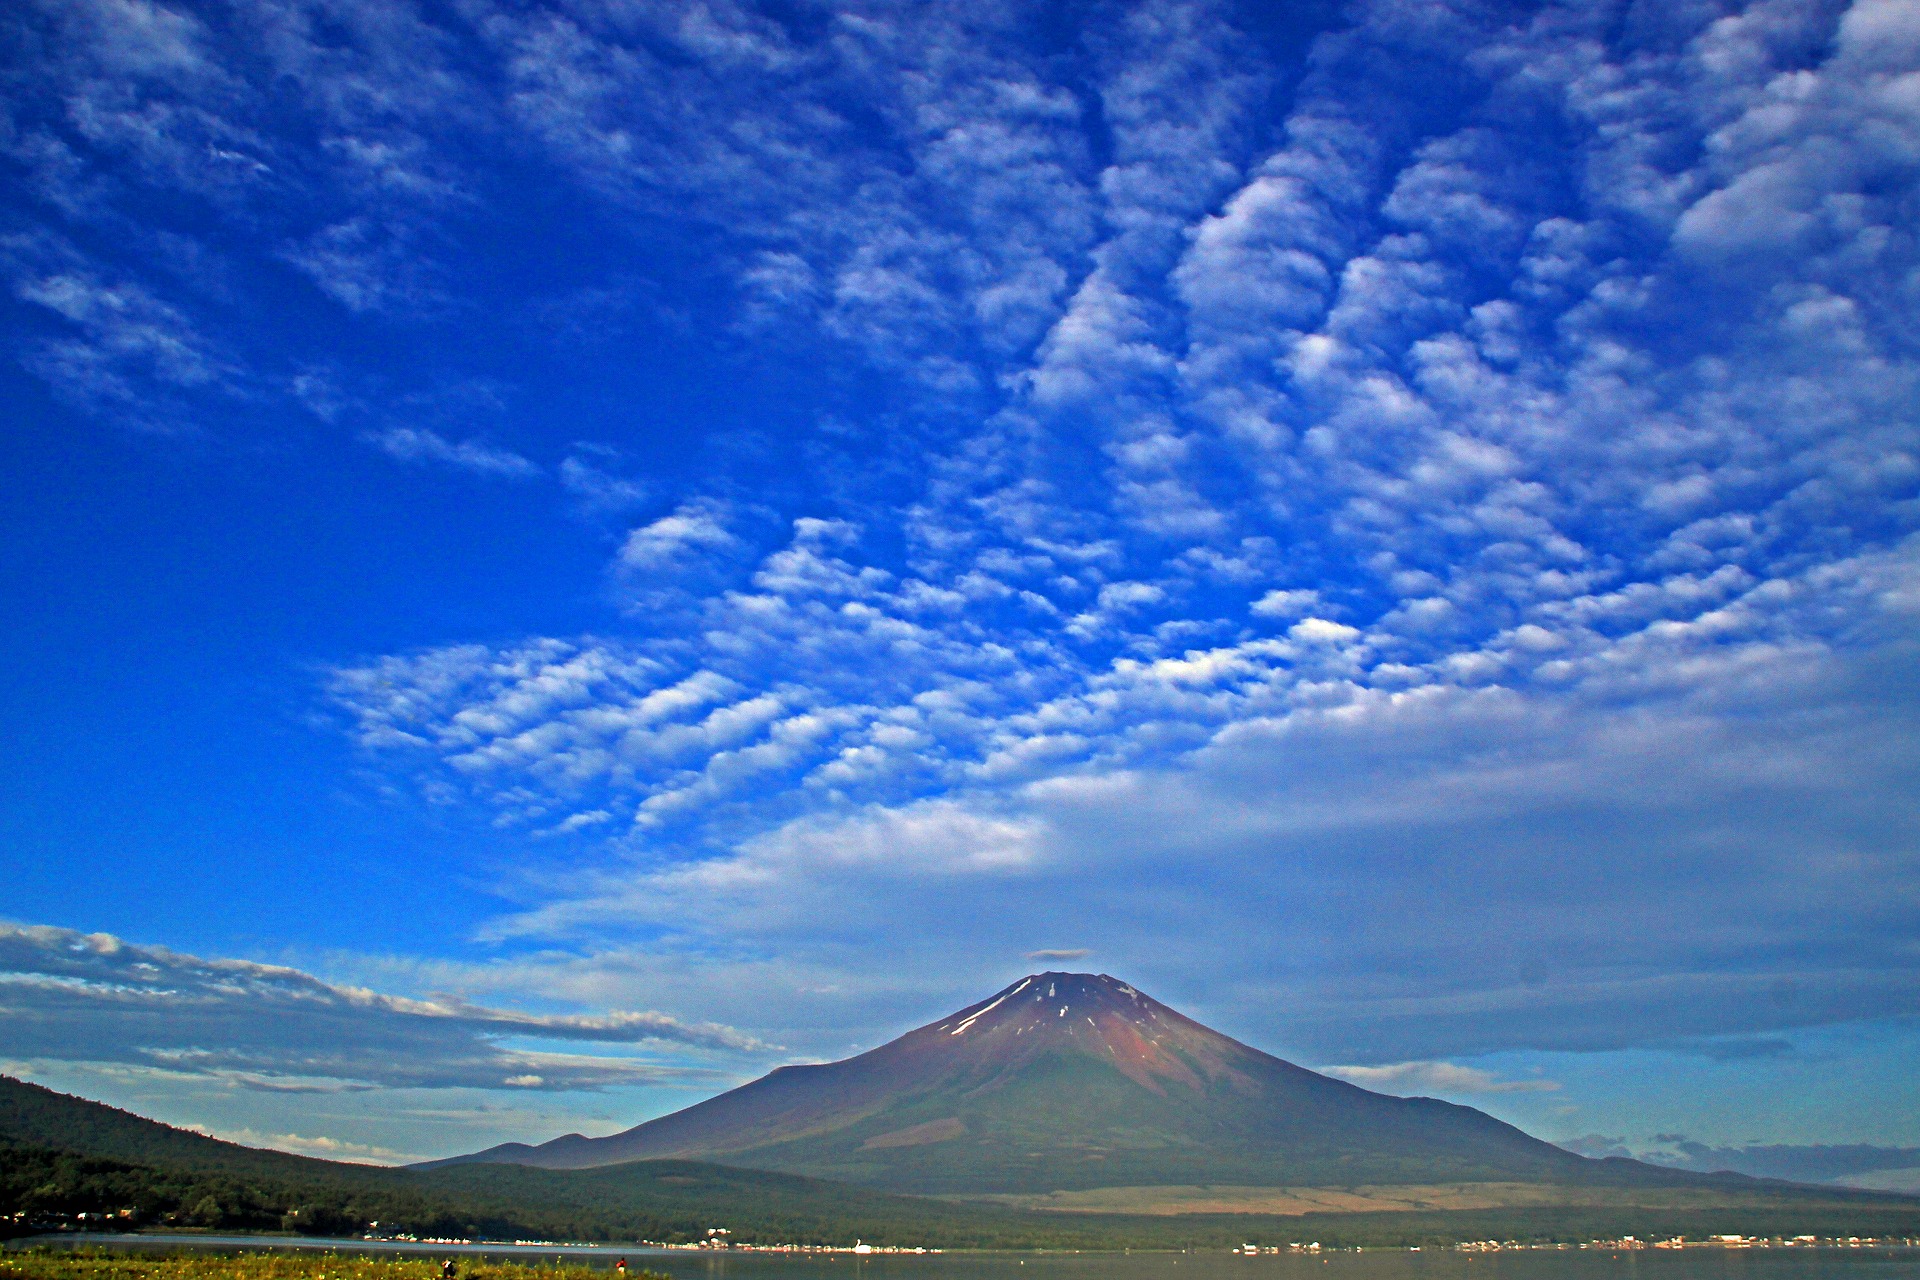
<point x="1065" y="1081"/>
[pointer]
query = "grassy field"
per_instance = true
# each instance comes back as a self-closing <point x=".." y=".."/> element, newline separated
<point x="1443" y="1198"/>
<point x="92" y="1265"/>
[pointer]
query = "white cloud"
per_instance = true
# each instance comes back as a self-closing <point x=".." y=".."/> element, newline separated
<point x="1290" y="603"/>
<point x="843" y="869"/>
<point x="1413" y="1078"/>
<point x="301" y="1145"/>
<point x="596" y="489"/>
<point x="363" y="266"/>
<point x="1322" y="631"/>
<point x="695" y="528"/>
<point x="418" y="444"/>
<point x="119" y="350"/>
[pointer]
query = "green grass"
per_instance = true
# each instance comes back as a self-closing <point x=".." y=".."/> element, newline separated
<point x="100" y="1265"/>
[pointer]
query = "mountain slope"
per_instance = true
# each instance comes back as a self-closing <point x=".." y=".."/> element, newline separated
<point x="1065" y="1081"/>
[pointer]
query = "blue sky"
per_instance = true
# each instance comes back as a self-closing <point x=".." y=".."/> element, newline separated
<point x="566" y="554"/>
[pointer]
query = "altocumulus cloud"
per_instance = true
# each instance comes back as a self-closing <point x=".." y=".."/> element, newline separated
<point x="91" y="998"/>
<point x="1416" y="852"/>
<point x="1411" y="534"/>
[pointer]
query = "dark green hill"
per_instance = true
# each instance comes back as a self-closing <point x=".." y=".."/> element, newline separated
<point x="61" y="1155"/>
<point x="38" y="1117"/>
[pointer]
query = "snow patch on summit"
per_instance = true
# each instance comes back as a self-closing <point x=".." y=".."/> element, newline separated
<point x="987" y="1010"/>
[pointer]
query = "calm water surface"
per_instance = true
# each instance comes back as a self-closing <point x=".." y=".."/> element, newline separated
<point x="1585" y="1264"/>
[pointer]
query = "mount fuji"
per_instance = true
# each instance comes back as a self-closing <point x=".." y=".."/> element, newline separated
<point x="1067" y="1081"/>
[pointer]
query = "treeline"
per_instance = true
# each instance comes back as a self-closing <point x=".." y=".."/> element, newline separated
<point x="91" y="1264"/>
<point x="43" y="1188"/>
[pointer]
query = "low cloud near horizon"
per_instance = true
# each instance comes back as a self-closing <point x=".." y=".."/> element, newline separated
<point x="91" y="998"/>
<point x="1861" y="1165"/>
<point x="1417" y="1078"/>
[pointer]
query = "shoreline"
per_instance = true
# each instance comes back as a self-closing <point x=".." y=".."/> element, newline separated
<point x="545" y="1248"/>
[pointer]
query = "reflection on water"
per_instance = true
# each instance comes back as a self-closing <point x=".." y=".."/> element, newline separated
<point x="1583" y="1264"/>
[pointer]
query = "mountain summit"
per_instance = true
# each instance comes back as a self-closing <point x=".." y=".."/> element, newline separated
<point x="1068" y="1081"/>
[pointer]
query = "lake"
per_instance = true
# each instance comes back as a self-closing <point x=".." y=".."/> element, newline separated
<point x="1880" y="1263"/>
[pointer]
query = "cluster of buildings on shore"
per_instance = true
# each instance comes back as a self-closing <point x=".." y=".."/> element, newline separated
<point x="717" y="1239"/>
<point x="1709" y="1242"/>
<point x="1624" y="1242"/>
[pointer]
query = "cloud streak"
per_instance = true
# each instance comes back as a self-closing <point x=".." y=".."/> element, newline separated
<point x="418" y="444"/>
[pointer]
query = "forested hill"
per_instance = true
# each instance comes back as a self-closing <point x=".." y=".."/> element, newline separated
<point x="38" y="1117"/>
<point x="61" y="1156"/>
